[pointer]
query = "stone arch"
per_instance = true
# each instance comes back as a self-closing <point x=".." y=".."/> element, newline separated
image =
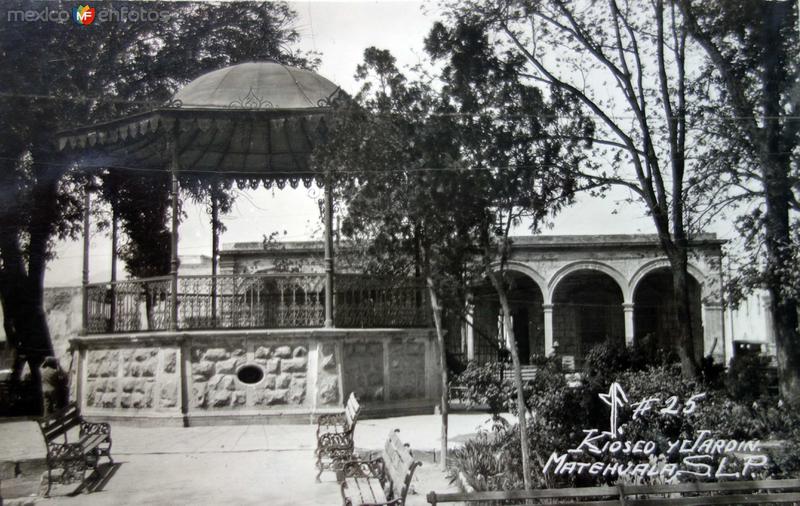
<point x="589" y="265"/>
<point x="587" y="309"/>
<point x="654" y="313"/>
<point x="661" y="263"/>
<point x="526" y="294"/>
<point x="527" y="270"/>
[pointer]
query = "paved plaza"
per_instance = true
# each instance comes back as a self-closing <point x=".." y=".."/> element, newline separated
<point x="238" y="464"/>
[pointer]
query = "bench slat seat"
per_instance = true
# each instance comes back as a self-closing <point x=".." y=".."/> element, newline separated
<point x="384" y="481"/>
<point x="90" y="442"/>
<point x="73" y="458"/>
<point x="335" y="437"/>
<point x="364" y="490"/>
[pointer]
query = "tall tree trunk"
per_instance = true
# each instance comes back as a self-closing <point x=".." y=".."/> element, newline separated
<point x="683" y="313"/>
<point x="782" y="305"/>
<point x="521" y="406"/>
<point x="437" y="320"/>
<point x="787" y="344"/>
<point x="777" y="192"/>
<point x="768" y="130"/>
<point x="676" y="248"/>
<point x="23" y="304"/>
<point x="775" y="166"/>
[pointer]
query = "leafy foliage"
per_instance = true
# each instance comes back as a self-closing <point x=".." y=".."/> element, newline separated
<point x="487" y="462"/>
<point x="49" y="83"/>
<point x="601" y="58"/>
<point x="562" y="412"/>
<point x="752" y="161"/>
<point x="458" y="167"/>
<point x="746" y="377"/>
<point x="484" y="384"/>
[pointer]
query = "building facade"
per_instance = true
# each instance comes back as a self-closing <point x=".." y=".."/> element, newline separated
<point x="567" y="293"/>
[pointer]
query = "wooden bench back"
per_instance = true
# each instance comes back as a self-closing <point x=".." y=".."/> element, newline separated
<point x="57" y="424"/>
<point x="400" y="464"/>
<point x="549" y="493"/>
<point x="351" y="410"/>
<point x="737" y="492"/>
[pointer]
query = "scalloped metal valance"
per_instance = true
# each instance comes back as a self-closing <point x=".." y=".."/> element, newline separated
<point x="250" y="122"/>
<point x="237" y="143"/>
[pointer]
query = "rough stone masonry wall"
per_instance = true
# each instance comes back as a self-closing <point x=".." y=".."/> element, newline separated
<point x="133" y="379"/>
<point x="289" y="373"/>
<point x="327" y="376"/>
<point x="215" y="384"/>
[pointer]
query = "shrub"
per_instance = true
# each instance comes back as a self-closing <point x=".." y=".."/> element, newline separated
<point x="763" y="419"/>
<point x="746" y="380"/>
<point x="608" y="358"/>
<point x="742" y="410"/>
<point x="485" y="463"/>
<point x="661" y="382"/>
<point x="565" y="410"/>
<point x="481" y="385"/>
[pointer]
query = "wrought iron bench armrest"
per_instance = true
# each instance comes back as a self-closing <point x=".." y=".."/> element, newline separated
<point x="335" y="440"/>
<point x="95" y="428"/>
<point x="373" y="468"/>
<point x="335" y="420"/>
<point x="58" y="452"/>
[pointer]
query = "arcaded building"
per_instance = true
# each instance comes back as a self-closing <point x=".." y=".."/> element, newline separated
<point x="287" y="331"/>
<point x="568" y="293"/>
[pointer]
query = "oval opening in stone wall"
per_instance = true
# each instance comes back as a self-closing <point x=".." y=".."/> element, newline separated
<point x="250" y="374"/>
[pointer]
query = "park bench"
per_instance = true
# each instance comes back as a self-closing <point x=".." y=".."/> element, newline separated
<point x="528" y="373"/>
<point x="686" y="494"/>
<point x="335" y="437"/>
<point x="73" y="458"/>
<point x="381" y="481"/>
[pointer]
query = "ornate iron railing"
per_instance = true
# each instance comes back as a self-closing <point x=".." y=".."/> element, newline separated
<point x="251" y="301"/>
<point x="368" y="302"/>
<point x="255" y="301"/>
<point x="131" y="305"/>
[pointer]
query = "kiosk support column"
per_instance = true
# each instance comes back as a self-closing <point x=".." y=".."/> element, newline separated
<point x="173" y="264"/>
<point x="329" y="289"/>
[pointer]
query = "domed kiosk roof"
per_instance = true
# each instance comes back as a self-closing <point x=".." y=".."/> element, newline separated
<point x="257" y="85"/>
<point x="256" y="121"/>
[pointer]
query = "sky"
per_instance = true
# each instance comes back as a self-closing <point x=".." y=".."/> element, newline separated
<point x="340" y="31"/>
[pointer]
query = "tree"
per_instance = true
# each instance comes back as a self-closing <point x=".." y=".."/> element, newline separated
<point x="389" y="142"/>
<point x="526" y="152"/>
<point x="57" y="74"/>
<point x="625" y="63"/>
<point x="752" y="59"/>
<point x="457" y="176"/>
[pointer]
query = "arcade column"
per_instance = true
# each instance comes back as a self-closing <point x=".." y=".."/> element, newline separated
<point x="713" y="335"/>
<point x="628" y="310"/>
<point x="548" y="329"/>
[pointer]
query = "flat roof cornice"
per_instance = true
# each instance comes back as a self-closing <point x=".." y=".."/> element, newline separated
<point x="525" y="242"/>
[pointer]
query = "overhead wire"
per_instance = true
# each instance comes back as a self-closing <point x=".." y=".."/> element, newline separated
<point x="155" y="105"/>
<point x="287" y="174"/>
